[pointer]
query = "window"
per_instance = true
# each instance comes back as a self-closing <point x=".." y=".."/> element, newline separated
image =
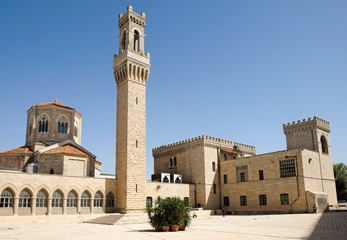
<point x="62" y="127"/>
<point x="175" y="161"/>
<point x="24" y="199"/>
<point x="136" y="41"/>
<point x="71" y="200"/>
<point x="287" y="168"/>
<point x="262" y="200"/>
<point x="186" y="200"/>
<point x="97" y="200"/>
<point x="214" y="188"/>
<point x="171" y="162"/>
<point x="214" y="166"/>
<point x="149" y="201"/>
<point x="57" y="199"/>
<point x="242" y="177"/>
<point x="243" y="200"/>
<point x="51" y="171"/>
<point x="225" y="157"/>
<point x="226" y="201"/>
<point x="85" y="200"/>
<point x="324" y="144"/>
<point x="75" y="131"/>
<point x="110" y="200"/>
<point x="137" y="100"/>
<point x="124" y="41"/>
<point x="261" y="175"/>
<point x="137" y="143"/>
<point x="6" y="199"/>
<point x="43" y="125"/>
<point x="284" y="199"/>
<point x="41" y="199"/>
<point x="225" y="178"/>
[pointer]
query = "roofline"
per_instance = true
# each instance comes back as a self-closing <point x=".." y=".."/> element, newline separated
<point x="65" y="143"/>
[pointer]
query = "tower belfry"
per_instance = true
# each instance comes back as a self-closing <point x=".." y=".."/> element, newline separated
<point x="131" y="70"/>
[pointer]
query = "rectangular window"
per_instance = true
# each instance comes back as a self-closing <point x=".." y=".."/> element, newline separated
<point x="225" y="178"/>
<point x="226" y="201"/>
<point x="287" y="168"/>
<point x="243" y="201"/>
<point x="261" y="175"/>
<point x="214" y="166"/>
<point x="149" y="201"/>
<point x="242" y="177"/>
<point x="284" y="199"/>
<point x="262" y="200"/>
<point x="214" y="188"/>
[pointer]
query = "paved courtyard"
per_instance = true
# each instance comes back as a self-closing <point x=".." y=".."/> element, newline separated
<point x="284" y="226"/>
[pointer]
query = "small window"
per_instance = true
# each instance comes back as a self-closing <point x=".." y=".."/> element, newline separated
<point x="124" y="41"/>
<point x="284" y="199"/>
<point x="287" y="168"/>
<point x="243" y="200"/>
<point x="225" y="157"/>
<point x="58" y="127"/>
<point x="225" y="178"/>
<point x="41" y="199"/>
<point x="40" y="126"/>
<point x="137" y="100"/>
<point x="97" y="200"/>
<point x="85" y="200"/>
<point x="149" y="202"/>
<point x="226" y="201"/>
<point x="261" y="175"/>
<point x="136" y="41"/>
<point x="242" y="177"/>
<point x="214" y="166"/>
<point x="214" y="188"/>
<point x="137" y="143"/>
<point x="324" y="144"/>
<point x="171" y="162"/>
<point x="71" y="200"/>
<point x="110" y="200"/>
<point x="262" y="200"/>
<point x="75" y="131"/>
<point x="57" y="199"/>
<point x="175" y="161"/>
<point x="186" y="200"/>
<point x="51" y="171"/>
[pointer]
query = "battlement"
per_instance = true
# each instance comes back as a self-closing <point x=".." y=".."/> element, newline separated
<point x="207" y="140"/>
<point x="133" y="17"/>
<point x="307" y="124"/>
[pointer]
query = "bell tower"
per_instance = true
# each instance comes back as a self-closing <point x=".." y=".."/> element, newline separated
<point x="131" y="70"/>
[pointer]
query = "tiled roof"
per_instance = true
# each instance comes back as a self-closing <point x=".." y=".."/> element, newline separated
<point x="98" y="162"/>
<point x="229" y="151"/>
<point x="55" y="103"/>
<point x="23" y="150"/>
<point x="69" y="149"/>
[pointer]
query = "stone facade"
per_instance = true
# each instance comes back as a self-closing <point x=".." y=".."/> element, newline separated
<point x="131" y="70"/>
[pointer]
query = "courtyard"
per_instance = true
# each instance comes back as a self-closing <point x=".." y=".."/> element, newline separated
<point x="283" y="226"/>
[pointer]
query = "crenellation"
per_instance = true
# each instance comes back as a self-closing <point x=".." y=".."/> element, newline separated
<point x="306" y="124"/>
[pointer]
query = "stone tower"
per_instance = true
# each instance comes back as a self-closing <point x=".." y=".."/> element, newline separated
<point x="131" y="70"/>
<point x="313" y="134"/>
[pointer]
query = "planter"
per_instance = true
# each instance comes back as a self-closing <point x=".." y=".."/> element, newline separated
<point x="165" y="228"/>
<point x="182" y="228"/>
<point x="46" y="213"/>
<point x="157" y="228"/>
<point x="174" y="228"/>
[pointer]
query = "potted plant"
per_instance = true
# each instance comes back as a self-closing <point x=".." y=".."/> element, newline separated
<point x="165" y="226"/>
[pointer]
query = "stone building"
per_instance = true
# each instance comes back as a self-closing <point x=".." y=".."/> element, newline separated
<point x="53" y="174"/>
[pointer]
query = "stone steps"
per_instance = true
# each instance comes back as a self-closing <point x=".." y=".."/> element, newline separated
<point x="115" y="219"/>
<point x="110" y="219"/>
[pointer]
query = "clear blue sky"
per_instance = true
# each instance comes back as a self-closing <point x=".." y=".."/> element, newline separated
<point x="235" y="70"/>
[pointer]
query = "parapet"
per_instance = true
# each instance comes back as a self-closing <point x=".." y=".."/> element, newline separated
<point x="203" y="140"/>
<point x="130" y="15"/>
<point x="306" y="125"/>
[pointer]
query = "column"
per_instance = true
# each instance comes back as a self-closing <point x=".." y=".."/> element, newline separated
<point x="49" y="206"/>
<point x="64" y="205"/>
<point x="15" y="206"/>
<point x="33" y="206"/>
<point x="78" y="205"/>
<point x="104" y="204"/>
<point x="91" y="205"/>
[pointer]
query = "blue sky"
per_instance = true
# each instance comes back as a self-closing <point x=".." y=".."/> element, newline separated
<point x="235" y="70"/>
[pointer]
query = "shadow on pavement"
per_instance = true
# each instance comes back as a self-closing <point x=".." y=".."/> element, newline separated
<point x="331" y="225"/>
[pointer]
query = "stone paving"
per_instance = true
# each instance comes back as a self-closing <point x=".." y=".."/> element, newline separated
<point x="284" y="226"/>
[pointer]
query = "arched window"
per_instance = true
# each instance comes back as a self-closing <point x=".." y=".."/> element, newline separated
<point x="85" y="199"/>
<point x="71" y="199"/>
<point x="51" y="171"/>
<point x="40" y="126"/>
<point x="58" y="127"/>
<point x="124" y="41"/>
<point x="149" y="201"/>
<point x="110" y="200"/>
<point x="43" y="126"/>
<point x="136" y="41"/>
<point x="175" y="161"/>
<point x="41" y="199"/>
<point x="57" y="199"/>
<point x="284" y="199"/>
<point x="6" y="199"/>
<point x="24" y="199"/>
<point x="97" y="200"/>
<point x="324" y="144"/>
<point x="171" y="162"/>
